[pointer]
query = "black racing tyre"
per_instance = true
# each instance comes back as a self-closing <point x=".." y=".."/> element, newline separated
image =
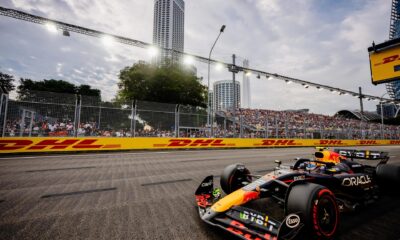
<point x="233" y="176"/>
<point x="388" y="176"/>
<point x="318" y="209"/>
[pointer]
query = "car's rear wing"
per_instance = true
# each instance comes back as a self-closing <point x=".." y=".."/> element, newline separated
<point x="363" y="154"/>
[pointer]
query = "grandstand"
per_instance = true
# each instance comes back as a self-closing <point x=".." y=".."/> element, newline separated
<point x="301" y="124"/>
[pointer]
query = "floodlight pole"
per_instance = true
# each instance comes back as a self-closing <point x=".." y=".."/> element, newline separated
<point x="381" y="120"/>
<point x="208" y="83"/>
<point x="234" y="96"/>
<point x="234" y="69"/>
<point x="361" y="110"/>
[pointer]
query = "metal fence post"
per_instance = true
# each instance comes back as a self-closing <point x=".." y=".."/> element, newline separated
<point x="286" y="127"/>
<point x="224" y="126"/>
<point x="77" y="119"/>
<point x="241" y="127"/>
<point x="211" y="122"/>
<point x="1" y="104"/>
<point x="75" y="115"/>
<point x="5" y="115"/>
<point x="99" y="120"/>
<point x="320" y="131"/>
<point x="266" y="128"/>
<point x="1" y="113"/>
<point x="31" y="124"/>
<point x="276" y="128"/>
<point x="134" y="118"/>
<point x="177" y="120"/>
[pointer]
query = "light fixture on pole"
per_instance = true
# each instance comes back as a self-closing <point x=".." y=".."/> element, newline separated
<point x="51" y="27"/>
<point x="66" y="33"/>
<point x="208" y="81"/>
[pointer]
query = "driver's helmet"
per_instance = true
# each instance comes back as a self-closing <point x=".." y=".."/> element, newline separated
<point x="325" y="155"/>
<point x="338" y="168"/>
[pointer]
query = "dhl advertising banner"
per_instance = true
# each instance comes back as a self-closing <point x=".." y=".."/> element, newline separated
<point x="22" y="145"/>
<point x="385" y="61"/>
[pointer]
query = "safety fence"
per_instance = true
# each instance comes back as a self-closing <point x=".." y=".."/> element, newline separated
<point x="54" y="144"/>
<point x="47" y="114"/>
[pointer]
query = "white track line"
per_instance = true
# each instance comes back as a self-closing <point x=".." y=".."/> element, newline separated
<point x="130" y="153"/>
<point x="82" y="155"/>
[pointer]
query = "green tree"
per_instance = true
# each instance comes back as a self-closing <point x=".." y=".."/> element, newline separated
<point x="6" y="82"/>
<point x="28" y="88"/>
<point x="167" y="84"/>
<point x="88" y="91"/>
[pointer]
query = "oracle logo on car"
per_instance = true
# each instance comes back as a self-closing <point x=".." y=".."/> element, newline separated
<point x="355" y="181"/>
<point x="53" y="144"/>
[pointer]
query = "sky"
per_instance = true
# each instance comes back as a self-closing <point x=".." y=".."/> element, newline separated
<point x="322" y="41"/>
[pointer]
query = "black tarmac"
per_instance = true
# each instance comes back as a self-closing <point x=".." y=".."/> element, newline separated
<point x="144" y="195"/>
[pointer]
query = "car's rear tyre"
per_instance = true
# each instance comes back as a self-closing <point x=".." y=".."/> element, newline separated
<point x="318" y="209"/>
<point x="388" y="177"/>
<point x="233" y="177"/>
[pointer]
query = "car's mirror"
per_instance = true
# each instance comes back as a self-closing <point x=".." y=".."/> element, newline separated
<point x="279" y="162"/>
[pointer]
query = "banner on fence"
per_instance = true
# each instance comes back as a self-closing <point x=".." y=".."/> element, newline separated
<point x="21" y="145"/>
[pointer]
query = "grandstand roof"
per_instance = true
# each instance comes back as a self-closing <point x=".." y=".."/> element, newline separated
<point x="355" y="114"/>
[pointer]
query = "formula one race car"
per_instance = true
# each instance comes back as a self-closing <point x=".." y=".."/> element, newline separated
<point x="311" y="193"/>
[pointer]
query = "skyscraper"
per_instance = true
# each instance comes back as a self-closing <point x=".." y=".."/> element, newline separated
<point x="223" y="95"/>
<point x="393" y="88"/>
<point x="246" y="98"/>
<point x="168" y="27"/>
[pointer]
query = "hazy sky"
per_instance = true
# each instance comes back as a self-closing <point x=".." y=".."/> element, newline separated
<point x="322" y="41"/>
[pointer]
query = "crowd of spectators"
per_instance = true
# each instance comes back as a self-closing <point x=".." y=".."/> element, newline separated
<point x="49" y="128"/>
<point x="302" y="124"/>
<point x="255" y="123"/>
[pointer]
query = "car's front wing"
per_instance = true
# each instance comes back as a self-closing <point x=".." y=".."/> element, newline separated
<point x="249" y="224"/>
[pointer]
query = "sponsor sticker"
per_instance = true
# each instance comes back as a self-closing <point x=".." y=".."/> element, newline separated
<point x="356" y="181"/>
<point x="254" y="218"/>
<point x="292" y="220"/>
<point x="207" y="184"/>
<point x="301" y="177"/>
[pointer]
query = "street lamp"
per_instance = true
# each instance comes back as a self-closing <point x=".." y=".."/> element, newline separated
<point x="208" y="80"/>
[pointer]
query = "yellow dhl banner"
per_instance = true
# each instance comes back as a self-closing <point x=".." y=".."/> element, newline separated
<point x="385" y="65"/>
<point x="21" y="145"/>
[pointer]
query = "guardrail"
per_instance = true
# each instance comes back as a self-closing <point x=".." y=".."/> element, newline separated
<point x="29" y="145"/>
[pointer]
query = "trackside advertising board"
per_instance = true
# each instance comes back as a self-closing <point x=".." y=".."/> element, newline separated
<point x="25" y="145"/>
<point x="385" y="61"/>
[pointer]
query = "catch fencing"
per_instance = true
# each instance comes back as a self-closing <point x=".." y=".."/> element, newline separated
<point x="47" y="114"/>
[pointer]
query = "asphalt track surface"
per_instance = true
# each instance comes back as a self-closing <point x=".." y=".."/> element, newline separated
<point x="143" y="195"/>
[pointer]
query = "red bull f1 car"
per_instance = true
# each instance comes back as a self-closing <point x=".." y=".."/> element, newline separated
<point x="312" y="193"/>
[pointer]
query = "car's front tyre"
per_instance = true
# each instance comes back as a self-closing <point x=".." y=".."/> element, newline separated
<point x="233" y="177"/>
<point x="318" y="208"/>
